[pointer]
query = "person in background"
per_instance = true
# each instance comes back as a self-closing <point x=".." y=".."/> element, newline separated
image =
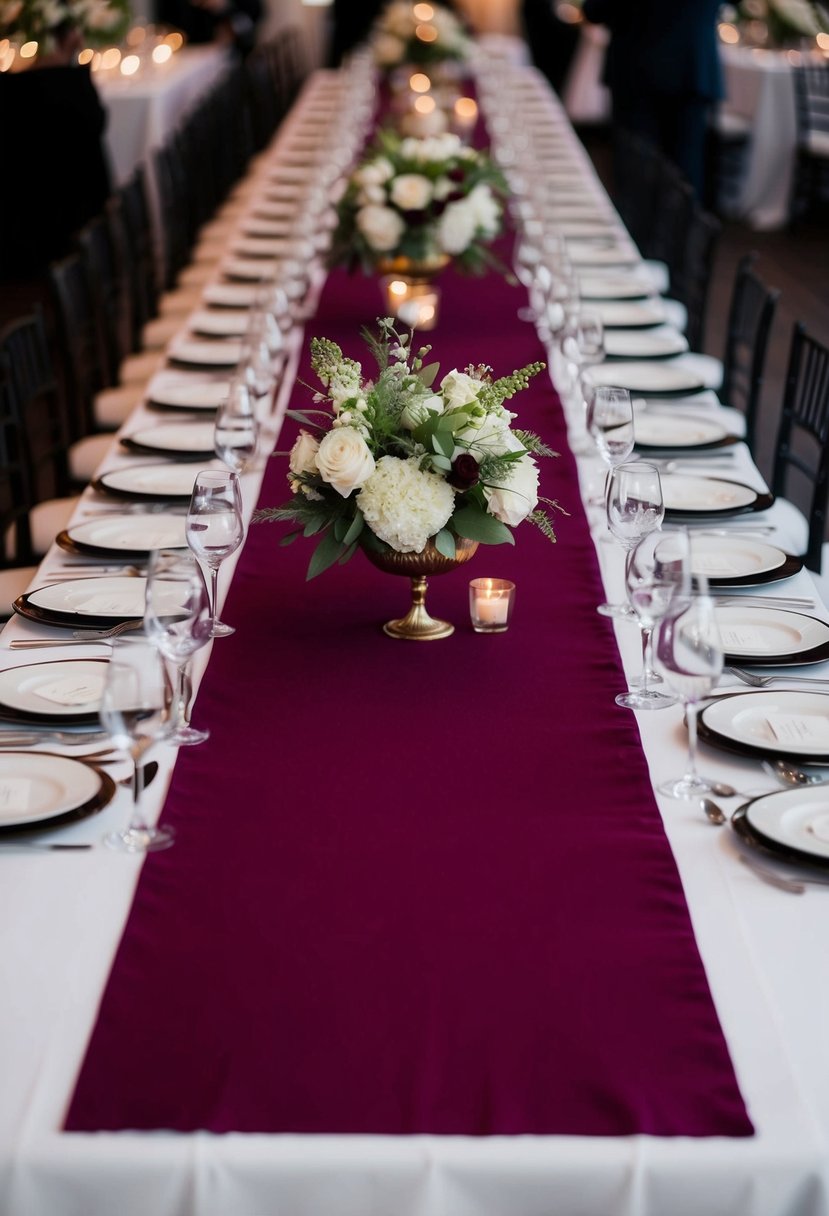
<point x="351" y="23"/>
<point x="551" y="41"/>
<point x="232" y="22"/>
<point x="663" y="71"/>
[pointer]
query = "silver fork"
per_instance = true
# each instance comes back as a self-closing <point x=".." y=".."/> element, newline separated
<point x="755" y="681"/>
<point x="795" y="886"/>
<point x="79" y="637"/>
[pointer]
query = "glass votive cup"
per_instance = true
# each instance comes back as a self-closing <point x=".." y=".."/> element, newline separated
<point x="490" y="604"/>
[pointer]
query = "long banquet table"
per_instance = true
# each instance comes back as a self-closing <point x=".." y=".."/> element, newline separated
<point x="426" y="942"/>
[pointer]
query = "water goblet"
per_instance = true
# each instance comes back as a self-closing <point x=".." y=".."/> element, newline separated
<point x="635" y="507"/>
<point x="688" y="653"/>
<point x="134" y="706"/>
<point x="653" y="576"/>
<point x="609" y="421"/>
<point x="236" y="431"/>
<point x="214" y="530"/>
<point x="178" y="621"/>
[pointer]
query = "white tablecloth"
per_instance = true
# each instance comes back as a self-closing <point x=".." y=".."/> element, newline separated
<point x="765" y="953"/>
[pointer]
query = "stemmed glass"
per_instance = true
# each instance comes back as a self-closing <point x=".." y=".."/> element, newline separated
<point x="178" y="621"/>
<point x="653" y="577"/>
<point x="214" y="530"/>
<point x="634" y="508"/>
<point x="134" y="705"/>
<point x="609" y="421"/>
<point x="236" y="430"/>
<point x="688" y="653"/>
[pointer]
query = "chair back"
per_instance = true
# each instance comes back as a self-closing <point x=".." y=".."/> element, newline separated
<point x="811" y="92"/>
<point x="103" y="248"/>
<point x="15" y="493"/>
<point x="802" y="453"/>
<point x="750" y="317"/>
<point x="691" y="277"/>
<point x="78" y="344"/>
<point x="140" y="245"/>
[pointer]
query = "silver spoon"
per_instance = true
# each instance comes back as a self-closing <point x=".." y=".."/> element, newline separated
<point x="790" y="774"/>
<point x="714" y="813"/>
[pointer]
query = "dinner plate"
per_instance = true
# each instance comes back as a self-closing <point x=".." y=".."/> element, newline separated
<point x="205" y="354"/>
<point x="126" y="535"/>
<point x="252" y="270"/>
<point x="767" y="723"/>
<point x="740" y="561"/>
<point x="629" y="314"/>
<point x="655" y="379"/>
<point x="584" y="254"/>
<point x="254" y="226"/>
<point x="219" y="322"/>
<point x="613" y="287"/>
<point x="66" y="691"/>
<point x="198" y="395"/>
<point x="230" y="295"/>
<point x="586" y="228"/>
<point x="771" y="636"/>
<point x="687" y="494"/>
<point x="39" y="788"/>
<point x="93" y="602"/>
<point x="793" y="822"/>
<point x="644" y="343"/>
<point x="148" y="481"/>
<point x="667" y="432"/>
<point x="282" y="212"/>
<point x="263" y="247"/>
<point x="192" y="440"/>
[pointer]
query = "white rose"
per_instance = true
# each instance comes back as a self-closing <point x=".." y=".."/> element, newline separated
<point x="411" y="192"/>
<point x="418" y="410"/>
<point x="371" y="194"/>
<point x="344" y="460"/>
<point x="442" y="187"/>
<point x="303" y="457"/>
<point x="489" y="436"/>
<point x="512" y="499"/>
<point x="456" y="227"/>
<point x="485" y="209"/>
<point x="381" y="227"/>
<point x="375" y="172"/>
<point x="459" y="389"/>
<point x="388" y="50"/>
<point x="410" y="148"/>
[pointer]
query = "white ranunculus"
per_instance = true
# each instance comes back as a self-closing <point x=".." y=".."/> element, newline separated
<point x="411" y="192"/>
<point x="344" y="460"/>
<point x="459" y="389"/>
<point x="372" y="194"/>
<point x="374" y="172"/>
<point x="486" y="209"/>
<point x="303" y="457"/>
<point x="381" y="227"/>
<point x="512" y="499"/>
<point x="456" y="227"/>
<point x="388" y="50"/>
<point x="418" y="410"/>
<point x="403" y="505"/>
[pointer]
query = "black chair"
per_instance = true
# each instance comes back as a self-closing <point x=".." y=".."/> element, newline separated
<point x="750" y="316"/>
<point x="102" y="244"/>
<point x="801" y="459"/>
<point x="691" y="271"/>
<point x="811" y="179"/>
<point x="78" y="343"/>
<point x="140" y="248"/>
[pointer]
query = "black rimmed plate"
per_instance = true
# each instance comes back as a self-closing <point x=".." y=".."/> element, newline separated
<point x="769" y="725"/>
<point x="85" y="603"/>
<point x="222" y="353"/>
<point x="644" y="343"/>
<point x="771" y="637"/>
<point x="792" y="825"/>
<point x="661" y="431"/>
<point x="630" y="314"/>
<point x="193" y="396"/>
<point x="124" y="536"/>
<point x="689" y="497"/>
<point x="182" y="441"/>
<point x="161" y="482"/>
<point x="56" y="694"/>
<point x="653" y="379"/>
<point x="740" y="561"/>
<point x="41" y="790"/>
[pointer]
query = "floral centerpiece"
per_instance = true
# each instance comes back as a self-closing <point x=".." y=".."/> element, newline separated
<point x="403" y="465"/>
<point x="422" y="34"/>
<point x="101" y="22"/>
<point x="778" y="22"/>
<point x="417" y="203"/>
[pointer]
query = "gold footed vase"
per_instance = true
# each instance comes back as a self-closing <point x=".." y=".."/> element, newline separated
<point x="417" y="625"/>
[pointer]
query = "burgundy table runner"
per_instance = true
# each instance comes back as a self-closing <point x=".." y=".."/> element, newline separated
<point x="416" y="888"/>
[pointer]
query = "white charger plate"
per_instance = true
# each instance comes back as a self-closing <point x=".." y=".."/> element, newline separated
<point x="653" y="378"/>
<point x="200" y="395"/>
<point x="151" y="480"/>
<point x="255" y="226"/>
<point x="39" y="687"/>
<point x="219" y="322"/>
<point x="769" y="633"/>
<point x="35" y="787"/>
<point x="613" y="287"/>
<point x="656" y="430"/>
<point x="204" y="354"/>
<point x="253" y="270"/>
<point x="747" y="719"/>
<point x="263" y="247"/>
<point x="632" y="314"/>
<point x="116" y="598"/>
<point x="794" y="819"/>
<point x="190" y="437"/>
<point x="644" y="344"/>
<point x="583" y="254"/>
<point x="230" y="295"/>
<point x="728" y="557"/>
<point x="131" y="533"/>
<point x="700" y="495"/>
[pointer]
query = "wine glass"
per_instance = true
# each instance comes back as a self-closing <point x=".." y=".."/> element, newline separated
<point x="178" y="621"/>
<point x="236" y="430"/>
<point x="214" y="530"/>
<point x="653" y="576"/>
<point x="609" y="421"/>
<point x="635" y="507"/>
<point x="688" y="653"/>
<point x="134" y="705"/>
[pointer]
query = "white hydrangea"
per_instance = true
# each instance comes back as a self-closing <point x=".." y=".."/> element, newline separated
<point x="404" y="505"/>
<point x="381" y="226"/>
<point x="456" y="227"/>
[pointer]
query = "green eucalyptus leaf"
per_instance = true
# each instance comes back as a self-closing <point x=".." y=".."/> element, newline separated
<point x="354" y="528"/>
<point x="445" y="543"/>
<point x="441" y="462"/>
<point x="328" y="551"/>
<point x="289" y="538"/>
<point x="443" y="443"/>
<point x="427" y="374"/>
<point x="478" y="525"/>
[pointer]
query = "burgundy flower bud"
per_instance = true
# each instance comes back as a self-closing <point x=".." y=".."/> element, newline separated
<point x="457" y="174"/>
<point x="465" y="470"/>
<point x="455" y="196"/>
<point x="414" y="219"/>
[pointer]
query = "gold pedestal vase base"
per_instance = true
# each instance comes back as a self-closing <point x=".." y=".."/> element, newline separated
<point x="417" y="625"/>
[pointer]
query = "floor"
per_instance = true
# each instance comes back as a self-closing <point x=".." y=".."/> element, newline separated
<point x="796" y="261"/>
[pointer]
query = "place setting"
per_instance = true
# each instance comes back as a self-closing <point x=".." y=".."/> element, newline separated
<point x="192" y="352"/>
<point x="656" y="379"/>
<point x="692" y="498"/>
<point x="145" y="482"/>
<point x="182" y="441"/>
<point x="658" y="343"/>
